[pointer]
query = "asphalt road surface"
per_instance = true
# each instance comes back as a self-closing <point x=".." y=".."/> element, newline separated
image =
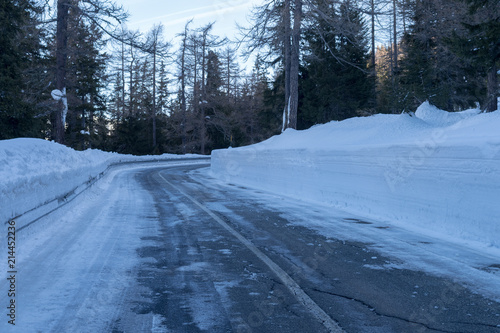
<point x="167" y="249"/>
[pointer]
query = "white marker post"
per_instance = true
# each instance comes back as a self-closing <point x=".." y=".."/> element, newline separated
<point x="59" y="95"/>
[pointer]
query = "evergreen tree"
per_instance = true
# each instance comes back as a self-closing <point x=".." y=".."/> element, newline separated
<point x="86" y="80"/>
<point x="214" y="81"/>
<point x="20" y="54"/>
<point x="101" y="14"/>
<point x="353" y="51"/>
<point x="335" y="81"/>
<point x="484" y="46"/>
<point x="218" y="109"/>
<point x="257" y="120"/>
<point x="163" y="93"/>
<point x="430" y="70"/>
<point x="417" y="80"/>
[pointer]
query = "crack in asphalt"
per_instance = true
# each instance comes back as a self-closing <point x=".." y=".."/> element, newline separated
<point x="374" y="310"/>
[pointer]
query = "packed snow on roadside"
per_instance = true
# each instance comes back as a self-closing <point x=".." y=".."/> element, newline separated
<point x="34" y="172"/>
<point x="432" y="172"/>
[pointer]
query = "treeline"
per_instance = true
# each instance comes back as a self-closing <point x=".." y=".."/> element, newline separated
<point x="191" y="99"/>
<point x="313" y="61"/>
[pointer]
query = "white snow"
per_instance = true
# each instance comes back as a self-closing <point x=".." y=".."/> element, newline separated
<point x="76" y="264"/>
<point x="34" y="172"/>
<point x="432" y="172"/>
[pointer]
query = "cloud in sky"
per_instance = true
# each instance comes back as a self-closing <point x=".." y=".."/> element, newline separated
<point x="194" y="13"/>
<point x="224" y="12"/>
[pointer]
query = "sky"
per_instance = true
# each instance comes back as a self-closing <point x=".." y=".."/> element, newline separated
<point x="174" y="14"/>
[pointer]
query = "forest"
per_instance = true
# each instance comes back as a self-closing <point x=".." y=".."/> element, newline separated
<point x="70" y="70"/>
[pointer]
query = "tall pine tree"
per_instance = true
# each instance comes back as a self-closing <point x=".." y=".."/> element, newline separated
<point x="20" y="52"/>
<point x="336" y="83"/>
<point x="484" y="41"/>
<point x="86" y="81"/>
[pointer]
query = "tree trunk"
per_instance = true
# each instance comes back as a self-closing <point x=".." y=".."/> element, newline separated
<point x="372" y="5"/>
<point x="154" y="96"/>
<point x="183" y="87"/>
<point x="287" y="61"/>
<point x="373" y="60"/>
<point x="492" y="98"/>
<point x="61" y="58"/>
<point x="131" y="82"/>
<point x="203" y="129"/>
<point x="228" y="74"/>
<point x="294" y="65"/>
<point x="91" y="122"/>
<point x="122" y="113"/>
<point x="394" y="32"/>
<point x="84" y="126"/>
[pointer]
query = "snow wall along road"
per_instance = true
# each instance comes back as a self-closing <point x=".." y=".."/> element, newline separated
<point x="434" y="172"/>
<point x="38" y="176"/>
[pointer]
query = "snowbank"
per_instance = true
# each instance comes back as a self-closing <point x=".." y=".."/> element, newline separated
<point x="434" y="172"/>
<point x="36" y="172"/>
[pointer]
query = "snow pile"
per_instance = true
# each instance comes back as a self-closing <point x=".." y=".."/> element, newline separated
<point x="34" y="172"/>
<point x="433" y="172"/>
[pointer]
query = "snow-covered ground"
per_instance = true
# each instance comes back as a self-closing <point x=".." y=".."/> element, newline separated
<point x="432" y="172"/>
<point x="365" y="179"/>
<point x="38" y="175"/>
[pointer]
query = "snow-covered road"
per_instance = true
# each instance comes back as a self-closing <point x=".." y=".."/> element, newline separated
<point x="154" y="248"/>
<point x="76" y="265"/>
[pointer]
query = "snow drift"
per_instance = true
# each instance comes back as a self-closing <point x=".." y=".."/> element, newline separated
<point x="35" y="172"/>
<point x="434" y="172"/>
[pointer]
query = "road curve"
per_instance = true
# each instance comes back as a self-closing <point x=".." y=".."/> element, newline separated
<point x="167" y="249"/>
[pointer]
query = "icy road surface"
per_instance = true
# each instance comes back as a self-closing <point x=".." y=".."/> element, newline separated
<point x="170" y="249"/>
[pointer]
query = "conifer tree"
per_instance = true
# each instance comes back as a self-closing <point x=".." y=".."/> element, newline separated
<point x="86" y="80"/>
<point x="335" y="80"/>
<point x="102" y="14"/>
<point x="430" y="70"/>
<point x="484" y="41"/>
<point x="21" y="84"/>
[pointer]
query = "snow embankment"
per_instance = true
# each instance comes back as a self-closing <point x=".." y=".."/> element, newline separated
<point x="433" y="172"/>
<point x="35" y="173"/>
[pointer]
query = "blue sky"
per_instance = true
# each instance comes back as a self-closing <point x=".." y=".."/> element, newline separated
<point x="174" y="14"/>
